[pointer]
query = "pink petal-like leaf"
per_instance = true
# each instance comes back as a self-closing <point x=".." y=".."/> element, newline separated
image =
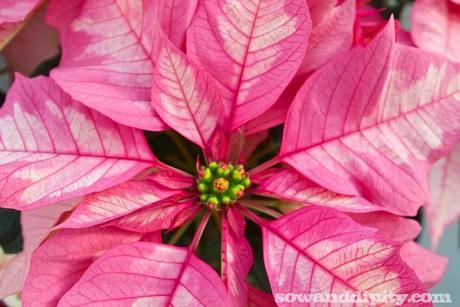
<point x="13" y="273"/>
<point x="218" y="146"/>
<point x="444" y="209"/>
<point x="435" y="27"/>
<point x="60" y="261"/>
<point x="320" y="8"/>
<point x="389" y="226"/>
<point x="154" y="237"/>
<point x="118" y="201"/>
<point x="290" y="185"/>
<point x="264" y="175"/>
<point x="107" y="60"/>
<point x="257" y="298"/>
<point x="277" y="113"/>
<point x="236" y="256"/>
<point x="274" y="116"/>
<point x="35" y="43"/>
<point x="370" y="122"/>
<point x="35" y="225"/>
<point x="251" y="143"/>
<point x="252" y="48"/>
<point x="168" y="214"/>
<point x="148" y="274"/>
<point x="14" y="10"/>
<point x="428" y="266"/>
<point x="332" y="32"/>
<point x="319" y="250"/>
<point x="173" y="179"/>
<point x="369" y="22"/>
<point x="52" y="148"/>
<point x="185" y="96"/>
<point x="4" y="259"/>
<point x="175" y="18"/>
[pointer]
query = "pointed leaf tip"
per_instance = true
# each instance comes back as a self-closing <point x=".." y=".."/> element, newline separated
<point x="252" y="49"/>
<point x="184" y="95"/>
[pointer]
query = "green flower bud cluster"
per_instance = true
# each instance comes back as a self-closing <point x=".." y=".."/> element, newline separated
<point x="220" y="183"/>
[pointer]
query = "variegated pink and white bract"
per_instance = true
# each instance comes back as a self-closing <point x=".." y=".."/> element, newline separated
<point x="367" y="131"/>
<point x="359" y="138"/>
<point x="436" y="28"/>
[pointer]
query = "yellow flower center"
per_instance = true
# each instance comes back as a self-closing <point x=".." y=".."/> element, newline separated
<point x="221" y="185"/>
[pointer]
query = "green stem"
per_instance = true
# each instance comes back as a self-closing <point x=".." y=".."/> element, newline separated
<point x="263" y="209"/>
<point x="179" y="233"/>
<point x="265" y="165"/>
<point x="200" y="230"/>
<point x="271" y="203"/>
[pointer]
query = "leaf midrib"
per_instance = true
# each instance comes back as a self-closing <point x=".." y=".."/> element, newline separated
<point x="361" y="130"/>
<point x="78" y="155"/>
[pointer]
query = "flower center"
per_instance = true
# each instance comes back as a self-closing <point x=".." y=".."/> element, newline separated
<point x="220" y="183"/>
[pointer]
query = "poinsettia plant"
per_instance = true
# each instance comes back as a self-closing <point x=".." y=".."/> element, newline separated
<point x="224" y="153"/>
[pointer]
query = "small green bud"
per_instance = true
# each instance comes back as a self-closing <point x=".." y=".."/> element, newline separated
<point x="246" y="182"/>
<point x="202" y="187"/>
<point x="233" y="191"/>
<point x="226" y="172"/>
<point x="236" y="176"/>
<point x="213" y="201"/>
<point x="240" y="190"/>
<point x="226" y="200"/>
<point x="204" y="197"/>
<point x="207" y="175"/>
<point x="213" y="166"/>
<point x="220" y="172"/>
